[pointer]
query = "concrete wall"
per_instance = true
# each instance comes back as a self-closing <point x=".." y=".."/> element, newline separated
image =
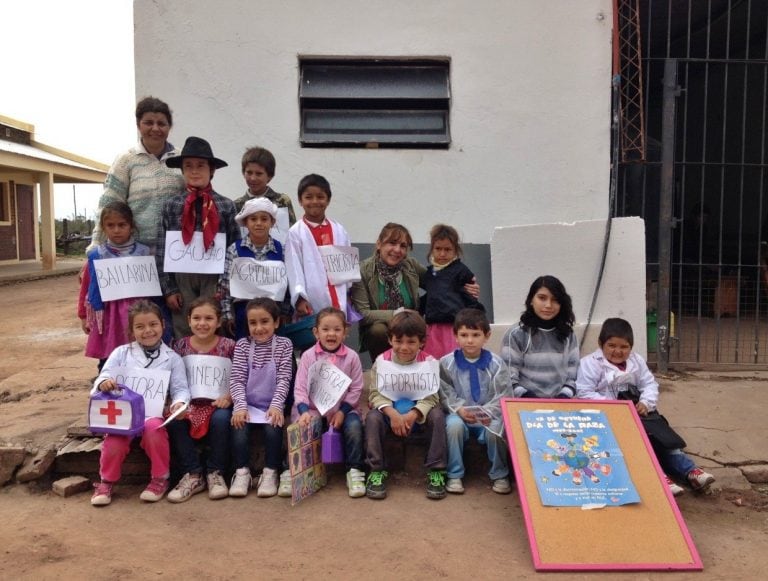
<point x="530" y="110"/>
<point x="572" y="252"/>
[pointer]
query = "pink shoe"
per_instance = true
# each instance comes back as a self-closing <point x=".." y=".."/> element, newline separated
<point x="155" y="490"/>
<point x="102" y="494"/>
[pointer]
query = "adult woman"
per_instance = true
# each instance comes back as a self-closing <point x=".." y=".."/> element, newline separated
<point x="139" y="177"/>
<point x="390" y="280"/>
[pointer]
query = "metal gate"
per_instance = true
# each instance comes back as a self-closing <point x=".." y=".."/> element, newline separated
<point x="711" y="264"/>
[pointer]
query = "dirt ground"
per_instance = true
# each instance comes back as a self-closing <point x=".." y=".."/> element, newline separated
<point x="43" y="388"/>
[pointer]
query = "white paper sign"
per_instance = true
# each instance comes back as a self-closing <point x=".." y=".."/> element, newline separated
<point x="127" y="277"/>
<point x="415" y="381"/>
<point x="208" y="375"/>
<point x="151" y="384"/>
<point x="194" y="258"/>
<point x="327" y="383"/>
<point x="257" y="416"/>
<point x="250" y="278"/>
<point x="342" y="263"/>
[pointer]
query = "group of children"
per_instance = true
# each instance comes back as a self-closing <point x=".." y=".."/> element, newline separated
<point x="465" y="382"/>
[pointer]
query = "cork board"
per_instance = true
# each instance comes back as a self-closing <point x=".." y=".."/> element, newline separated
<point x="650" y="535"/>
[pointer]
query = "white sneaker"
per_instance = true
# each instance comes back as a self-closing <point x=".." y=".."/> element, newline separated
<point x="267" y="483"/>
<point x="674" y="487"/>
<point x="188" y="486"/>
<point x="217" y="487"/>
<point x="700" y="480"/>
<point x="241" y="482"/>
<point x="285" y="490"/>
<point x="454" y="486"/>
<point x="502" y="486"/>
<point x="356" y="483"/>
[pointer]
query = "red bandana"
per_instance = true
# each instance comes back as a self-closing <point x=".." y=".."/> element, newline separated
<point x="210" y="216"/>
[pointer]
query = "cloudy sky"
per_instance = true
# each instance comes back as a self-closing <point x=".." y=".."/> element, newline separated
<point x="68" y="70"/>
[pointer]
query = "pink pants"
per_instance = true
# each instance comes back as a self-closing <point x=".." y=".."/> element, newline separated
<point x="440" y="340"/>
<point x="154" y="442"/>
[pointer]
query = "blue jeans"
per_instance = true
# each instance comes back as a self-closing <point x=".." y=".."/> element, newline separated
<point x="457" y="433"/>
<point x="352" y="430"/>
<point x="675" y="462"/>
<point x="218" y="439"/>
<point x="273" y="442"/>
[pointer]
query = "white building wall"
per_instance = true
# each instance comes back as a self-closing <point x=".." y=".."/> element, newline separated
<point x="530" y="111"/>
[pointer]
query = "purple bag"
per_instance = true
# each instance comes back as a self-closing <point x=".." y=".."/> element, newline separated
<point x="119" y="412"/>
<point x="332" y="447"/>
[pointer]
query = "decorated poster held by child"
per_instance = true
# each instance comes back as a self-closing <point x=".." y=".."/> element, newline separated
<point x="208" y="360"/>
<point x="150" y="368"/>
<point x="329" y="382"/>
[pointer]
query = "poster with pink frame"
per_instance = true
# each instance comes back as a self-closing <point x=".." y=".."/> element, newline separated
<point x="649" y="535"/>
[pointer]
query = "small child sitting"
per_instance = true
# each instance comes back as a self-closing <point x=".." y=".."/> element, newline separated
<point x="474" y="381"/>
<point x="614" y="372"/>
<point x="407" y="333"/>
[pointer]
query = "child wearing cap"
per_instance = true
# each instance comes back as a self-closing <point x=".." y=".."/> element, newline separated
<point x="258" y="166"/>
<point x="246" y="262"/>
<point x="197" y="209"/>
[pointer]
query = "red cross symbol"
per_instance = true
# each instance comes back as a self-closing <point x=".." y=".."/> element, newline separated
<point x="111" y="412"/>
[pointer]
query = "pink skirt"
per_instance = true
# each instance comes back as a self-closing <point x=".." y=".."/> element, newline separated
<point x="440" y="340"/>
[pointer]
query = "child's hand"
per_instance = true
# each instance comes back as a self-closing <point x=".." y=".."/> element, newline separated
<point x="84" y="326"/>
<point x="468" y="417"/>
<point x="337" y="420"/>
<point x="176" y="406"/>
<point x="239" y="419"/>
<point x="305" y="418"/>
<point x="472" y="288"/>
<point x="396" y="422"/>
<point x="224" y="402"/>
<point x="108" y="385"/>
<point x="410" y="418"/>
<point x="641" y="408"/>
<point x="174" y="301"/>
<point x="303" y="308"/>
<point x="275" y="417"/>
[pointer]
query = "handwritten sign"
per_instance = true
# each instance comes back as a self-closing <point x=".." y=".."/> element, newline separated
<point x="342" y="263"/>
<point x="257" y="416"/>
<point x="127" y="277"/>
<point x="415" y="381"/>
<point x="250" y="278"/>
<point x="207" y="375"/>
<point x="327" y="383"/>
<point x="193" y="257"/>
<point x="151" y="384"/>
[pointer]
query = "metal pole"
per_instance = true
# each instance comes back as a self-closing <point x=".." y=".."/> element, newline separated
<point x="666" y="205"/>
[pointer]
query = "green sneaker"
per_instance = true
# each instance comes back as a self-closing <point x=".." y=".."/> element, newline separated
<point x="375" y="486"/>
<point x="436" y="485"/>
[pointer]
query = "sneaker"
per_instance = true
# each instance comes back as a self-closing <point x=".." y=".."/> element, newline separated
<point x="285" y="490"/>
<point x="356" y="483"/>
<point x="102" y="493"/>
<point x="189" y="485"/>
<point x="501" y="486"/>
<point x="674" y="487"/>
<point x="375" y="486"/>
<point x="241" y="482"/>
<point x="436" y="485"/>
<point x="217" y="487"/>
<point x="267" y="483"/>
<point x="699" y="480"/>
<point x="155" y="490"/>
<point x="454" y="486"/>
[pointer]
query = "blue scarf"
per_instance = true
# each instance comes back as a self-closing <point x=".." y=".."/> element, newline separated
<point x="482" y="363"/>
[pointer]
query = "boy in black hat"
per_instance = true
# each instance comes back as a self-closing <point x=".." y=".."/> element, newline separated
<point x="196" y="228"/>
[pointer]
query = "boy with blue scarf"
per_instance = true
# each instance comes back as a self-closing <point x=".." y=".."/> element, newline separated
<point x="473" y="382"/>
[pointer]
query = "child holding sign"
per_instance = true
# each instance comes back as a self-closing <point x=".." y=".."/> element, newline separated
<point x="614" y="372"/>
<point x="196" y="228"/>
<point x="254" y="267"/>
<point x="147" y="363"/>
<point x="259" y="384"/>
<point x="105" y="321"/>
<point x="444" y="283"/>
<point x="474" y="381"/>
<point x="311" y="288"/>
<point x="405" y="394"/>
<point x="329" y="382"/>
<point x="208" y="360"/>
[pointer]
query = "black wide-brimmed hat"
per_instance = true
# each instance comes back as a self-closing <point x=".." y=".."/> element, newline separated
<point x="195" y="147"/>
